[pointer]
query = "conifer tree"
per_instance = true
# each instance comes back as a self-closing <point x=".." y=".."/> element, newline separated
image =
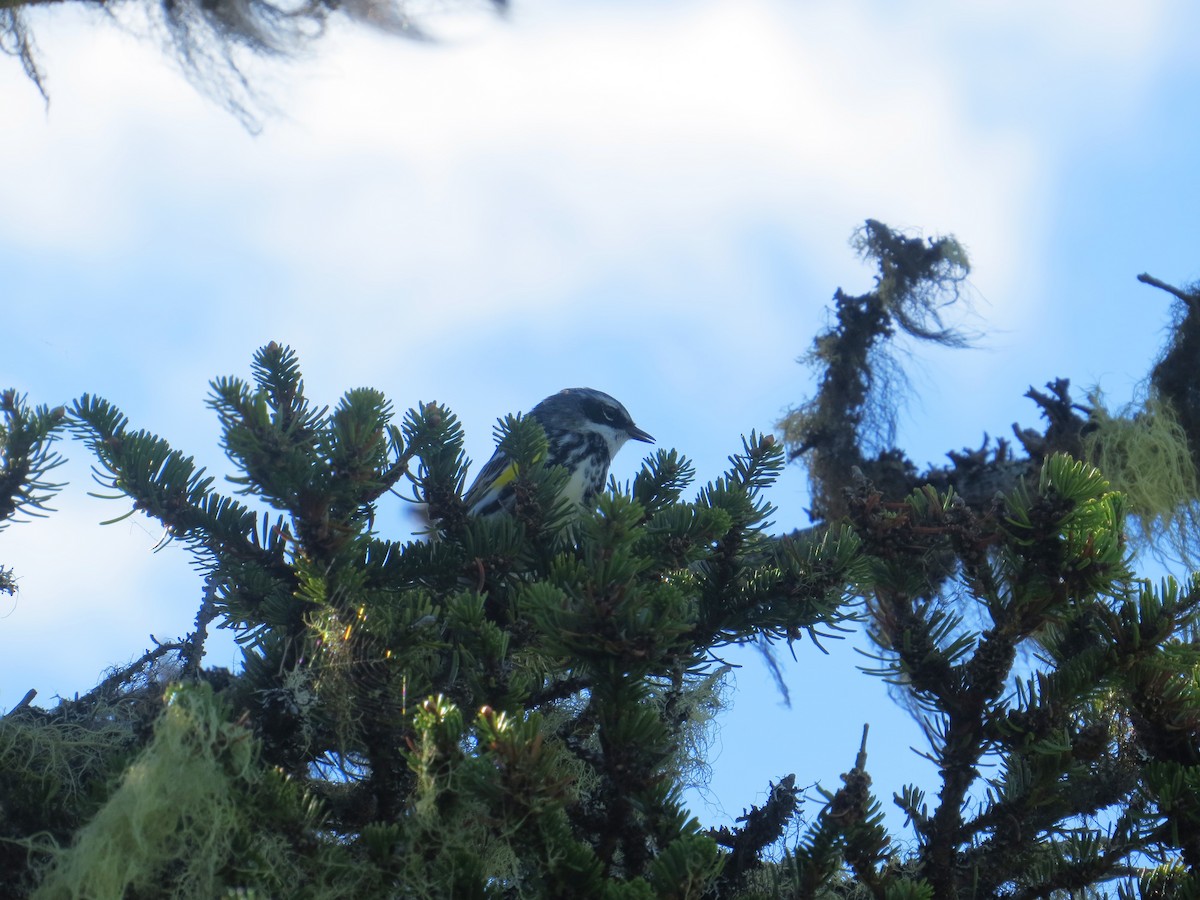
<point x="510" y="706"/>
<point x="1056" y="689"/>
<point x="505" y="707"/>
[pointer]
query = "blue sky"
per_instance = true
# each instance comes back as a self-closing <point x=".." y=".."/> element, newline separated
<point x="652" y="199"/>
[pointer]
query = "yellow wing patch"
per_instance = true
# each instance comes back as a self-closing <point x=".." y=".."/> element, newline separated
<point x="510" y="472"/>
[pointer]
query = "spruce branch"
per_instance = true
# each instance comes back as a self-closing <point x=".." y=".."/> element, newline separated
<point x="168" y="486"/>
<point x="27" y="436"/>
<point x="27" y="456"/>
<point x="763" y="826"/>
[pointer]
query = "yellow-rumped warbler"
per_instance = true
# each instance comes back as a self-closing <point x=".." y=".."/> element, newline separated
<point x="585" y="429"/>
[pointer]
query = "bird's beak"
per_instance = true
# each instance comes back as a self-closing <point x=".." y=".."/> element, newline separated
<point x="638" y="435"/>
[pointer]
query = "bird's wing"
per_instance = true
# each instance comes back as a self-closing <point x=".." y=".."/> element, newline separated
<point x="496" y="473"/>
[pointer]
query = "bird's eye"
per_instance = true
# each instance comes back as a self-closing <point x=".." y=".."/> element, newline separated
<point x="602" y="413"/>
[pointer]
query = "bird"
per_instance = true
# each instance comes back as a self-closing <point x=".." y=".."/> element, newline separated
<point x="584" y="428"/>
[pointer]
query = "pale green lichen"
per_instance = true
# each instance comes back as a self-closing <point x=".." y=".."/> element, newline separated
<point x="1144" y="452"/>
<point x="176" y="806"/>
<point x="197" y="814"/>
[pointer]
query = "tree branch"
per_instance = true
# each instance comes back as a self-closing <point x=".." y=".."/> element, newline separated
<point x="1189" y="298"/>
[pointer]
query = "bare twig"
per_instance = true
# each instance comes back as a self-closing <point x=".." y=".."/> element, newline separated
<point x="193" y="651"/>
<point x="127" y="674"/>
<point x="25" y="701"/>
<point x="1188" y="298"/>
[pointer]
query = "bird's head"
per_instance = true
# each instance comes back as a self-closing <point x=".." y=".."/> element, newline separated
<point x="590" y="411"/>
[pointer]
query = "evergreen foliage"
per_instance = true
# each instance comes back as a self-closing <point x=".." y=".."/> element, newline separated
<point x="505" y="707"/>
<point x="1009" y="620"/>
<point x="26" y="458"/>
<point x="511" y="706"/>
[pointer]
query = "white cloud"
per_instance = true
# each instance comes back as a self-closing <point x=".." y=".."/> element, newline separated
<point x="528" y="162"/>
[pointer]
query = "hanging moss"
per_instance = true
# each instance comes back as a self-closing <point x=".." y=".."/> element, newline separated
<point x="175" y="810"/>
<point x="1173" y="377"/>
<point x="54" y="772"/>
<point x="851" y="421"/>
<point x="197" y="815"/>
<point x="1144" y="452"/>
